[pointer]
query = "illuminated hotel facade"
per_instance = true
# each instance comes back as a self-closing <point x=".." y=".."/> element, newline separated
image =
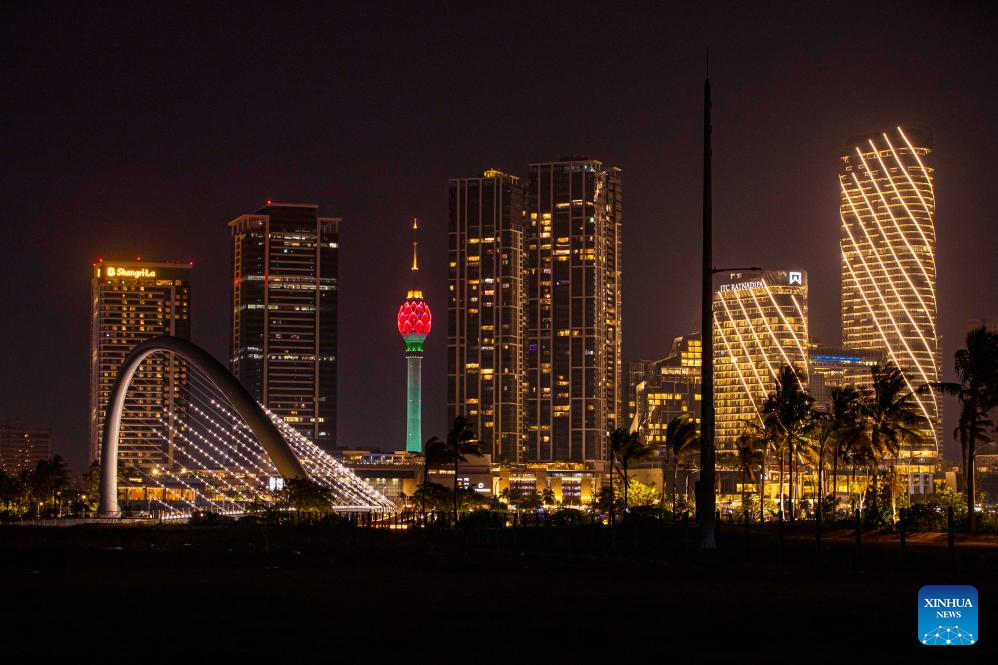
<point x="132" y="301"/>
<point x="285" y="261"/>
<point x="888" y="245"/>
<point x="486" y="336"/>
<point x="574" y="309"/>
<point x="760" y="325"/>
<point x="661" y="390"/>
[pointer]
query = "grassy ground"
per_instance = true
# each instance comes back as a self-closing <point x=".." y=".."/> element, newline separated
<point x="529" y="595"/>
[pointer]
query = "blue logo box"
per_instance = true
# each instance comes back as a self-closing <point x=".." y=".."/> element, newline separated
<point x="947" y="615"/>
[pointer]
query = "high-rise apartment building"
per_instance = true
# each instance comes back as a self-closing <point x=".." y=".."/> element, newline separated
<point x="888" y="248"/>
<point x="760" y="325"/>
<point x="132" y="301"/>
<point x="661" y="390"/>
<point x="486" y="336"/>
<point x="574" y="309"/>
<point x="22" y="448"/>
<point x="283" y="348"/>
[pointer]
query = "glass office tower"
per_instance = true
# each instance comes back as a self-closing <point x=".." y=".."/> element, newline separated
<point x="284" y="301"/>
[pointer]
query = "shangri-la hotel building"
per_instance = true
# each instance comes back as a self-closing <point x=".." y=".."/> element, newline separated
<point x="131" y="302"/>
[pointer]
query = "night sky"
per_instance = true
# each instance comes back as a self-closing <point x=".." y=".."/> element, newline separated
<point x="142" y="129"/>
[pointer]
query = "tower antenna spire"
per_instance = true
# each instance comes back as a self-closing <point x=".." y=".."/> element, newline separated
<point x="415" y="245"/>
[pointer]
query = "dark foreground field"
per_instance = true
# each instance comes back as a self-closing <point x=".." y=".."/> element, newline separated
<point x="222" y="593"/>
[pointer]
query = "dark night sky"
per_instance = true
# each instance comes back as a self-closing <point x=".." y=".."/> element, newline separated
<point x="141" y="129"/>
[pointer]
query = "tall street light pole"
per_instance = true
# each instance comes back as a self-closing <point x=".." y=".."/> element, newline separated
<point x="705" y="501"/>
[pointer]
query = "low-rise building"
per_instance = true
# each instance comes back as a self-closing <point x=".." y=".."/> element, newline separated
<point x="832" y="367"/>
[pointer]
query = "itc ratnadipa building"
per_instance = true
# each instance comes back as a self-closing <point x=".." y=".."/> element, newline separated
<point x="888" y="246"/>
<point x="760" y="325"/>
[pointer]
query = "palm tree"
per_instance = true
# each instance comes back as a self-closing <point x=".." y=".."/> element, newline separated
<point x="821" y="437"/>
<point x="751" y="456"/>
<point x="856" y="451"/>
<point x="681" y="438"/>
<point x="977" y="368"/>
<point x="844" y="415"/>
<point x="766" y="439"/>
<point x="889" y="420"/>
<point x="434" y="455"/>
<point x="461" y="441"/>
<point x="787" y="414"/>
<point x="49" y="478"/>
<point x="627" y="447"/>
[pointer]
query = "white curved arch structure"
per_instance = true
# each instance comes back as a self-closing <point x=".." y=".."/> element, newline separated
<point x="262" y="427"/>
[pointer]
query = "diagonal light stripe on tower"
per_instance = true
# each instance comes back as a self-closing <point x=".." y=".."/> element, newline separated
<point x="890" y="247"/>
<point x="734" y="361"/>
<point x="887" y="309"/>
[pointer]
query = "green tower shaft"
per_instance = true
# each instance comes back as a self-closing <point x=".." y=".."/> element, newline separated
<point x="414" y="402"/>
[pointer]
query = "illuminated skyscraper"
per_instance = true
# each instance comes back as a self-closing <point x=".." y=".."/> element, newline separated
<point x="284" y="300"/>
<point x="888" y="248"/>
<point x="486" y="363"/>
<point x="132" y="301"/>
<point x="414" y="321"/>
<point x="574" y="306"/>
<point x="760" y="325"/>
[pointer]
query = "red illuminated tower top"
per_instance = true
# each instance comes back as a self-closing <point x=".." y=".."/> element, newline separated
<point x="414" y="317"/>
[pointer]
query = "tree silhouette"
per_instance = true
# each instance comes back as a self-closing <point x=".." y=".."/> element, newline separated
<point x="976" y="366"/>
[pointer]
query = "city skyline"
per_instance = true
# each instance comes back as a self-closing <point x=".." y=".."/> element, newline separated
<point x="136" y="200"/>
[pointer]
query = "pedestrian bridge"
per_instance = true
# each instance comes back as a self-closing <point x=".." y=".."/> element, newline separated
<point x="182" y="435"/>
